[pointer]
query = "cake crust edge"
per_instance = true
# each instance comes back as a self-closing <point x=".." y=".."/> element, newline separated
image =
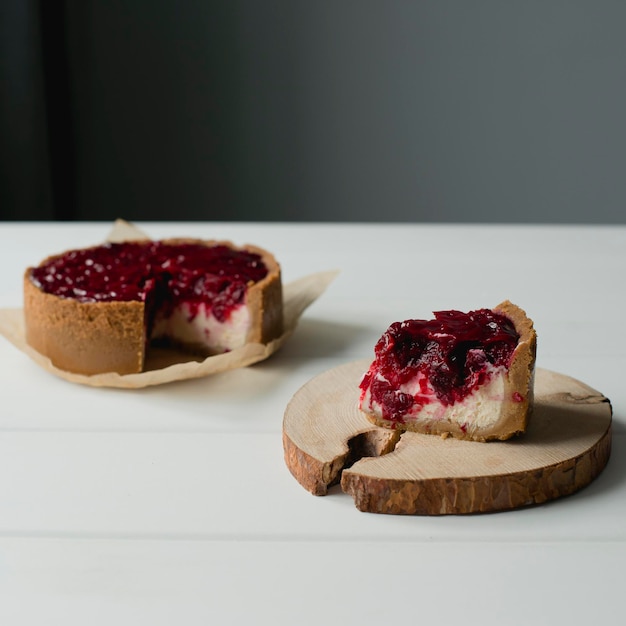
<point x="84" y="338"/>
<point x="514" y="415"/>
<point x="99" y="337"/>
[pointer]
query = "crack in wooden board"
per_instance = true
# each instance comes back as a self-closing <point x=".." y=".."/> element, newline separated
<point x="566" y="446"/>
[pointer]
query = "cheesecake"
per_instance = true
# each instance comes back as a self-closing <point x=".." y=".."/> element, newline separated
<point x="100" y="309"/>
<point x="468" y="375"/>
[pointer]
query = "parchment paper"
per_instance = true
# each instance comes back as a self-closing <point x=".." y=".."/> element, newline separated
<point x="168" y="365"/>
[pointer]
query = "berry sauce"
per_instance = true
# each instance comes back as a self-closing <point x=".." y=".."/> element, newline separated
<point x="158" y="273"/>
<point x="456" y="352"/>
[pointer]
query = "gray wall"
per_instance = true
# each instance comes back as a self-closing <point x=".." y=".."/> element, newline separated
<point x="349" y="110"/>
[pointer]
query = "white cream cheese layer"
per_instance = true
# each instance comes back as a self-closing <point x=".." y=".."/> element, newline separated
<point x="202" y="328"/>
<point x="478" y="410"/>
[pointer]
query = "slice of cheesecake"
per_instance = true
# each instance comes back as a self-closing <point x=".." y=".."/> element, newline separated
<point x="98" y="309"/>
<point x="469" y="375"/>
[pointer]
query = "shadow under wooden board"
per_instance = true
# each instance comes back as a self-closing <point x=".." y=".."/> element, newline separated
<point x="328" y="441"/>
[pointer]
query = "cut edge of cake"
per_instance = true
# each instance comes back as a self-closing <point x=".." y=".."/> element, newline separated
<point x="98" y="337"/>
<point x="504" y="414"/>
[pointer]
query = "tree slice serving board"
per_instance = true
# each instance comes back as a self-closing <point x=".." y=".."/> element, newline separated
<point x="327" y="440"/>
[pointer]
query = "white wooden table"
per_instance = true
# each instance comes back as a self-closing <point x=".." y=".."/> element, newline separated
<point x="173" y="505"/>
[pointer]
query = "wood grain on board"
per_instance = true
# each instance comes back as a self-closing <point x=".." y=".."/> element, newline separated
<point x="328" y="441"/>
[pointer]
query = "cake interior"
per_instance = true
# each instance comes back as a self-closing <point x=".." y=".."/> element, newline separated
<point x="193" y="293"/>
<point x="425" y="369"/>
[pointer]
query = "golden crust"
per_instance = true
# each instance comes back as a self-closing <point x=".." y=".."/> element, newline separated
<point x="520" y="378"/>
<point x="96" y="337"/>
<point x="517" y="403"/>
<point x="87" y="338"/>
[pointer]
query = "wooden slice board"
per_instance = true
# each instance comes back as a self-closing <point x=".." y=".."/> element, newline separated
<point x="327" y="440"/>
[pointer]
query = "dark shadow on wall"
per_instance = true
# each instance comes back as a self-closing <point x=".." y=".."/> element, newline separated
<point x="155" y="87"/>
<point x="117" y="108"/>
<point x="25" y="178"/>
